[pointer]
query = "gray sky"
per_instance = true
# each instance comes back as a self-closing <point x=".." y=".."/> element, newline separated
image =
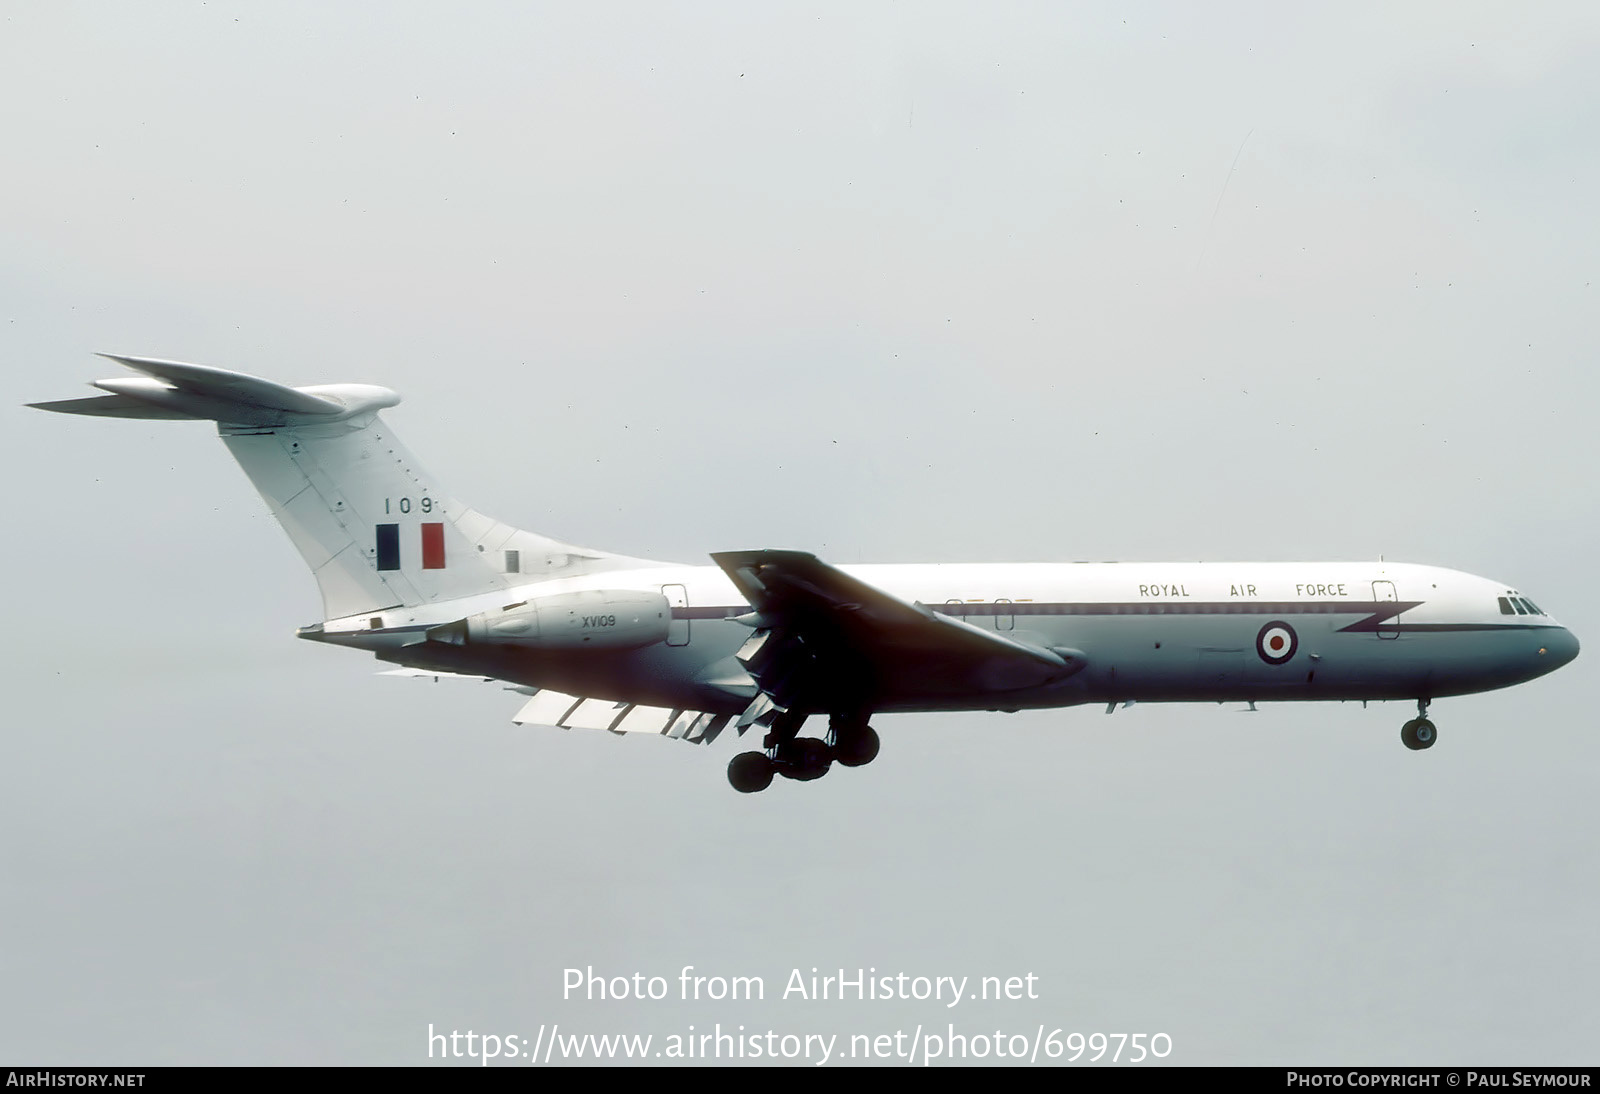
<point x="886" y="282"/>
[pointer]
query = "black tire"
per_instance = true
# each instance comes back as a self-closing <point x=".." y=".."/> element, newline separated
<point x="750" y="772"/>
<point x="804" y="758"/>
<point x="858" y="749"/>
<point x="1419" y="733"/>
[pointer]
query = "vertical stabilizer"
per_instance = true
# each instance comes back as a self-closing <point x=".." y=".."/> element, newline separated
<point x="374" y="527"/>
<point x="376" y="531"/>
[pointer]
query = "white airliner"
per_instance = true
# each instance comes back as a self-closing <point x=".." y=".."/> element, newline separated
<point x="769" y="638"/>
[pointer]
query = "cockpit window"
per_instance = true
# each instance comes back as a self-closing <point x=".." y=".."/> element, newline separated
<point x="1536" y="609"/>
<point x="1505" y="607"/>
<point x="1526" y="603"/>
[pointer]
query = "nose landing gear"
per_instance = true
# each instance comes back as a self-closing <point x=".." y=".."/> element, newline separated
<point x="1419" y="733"/>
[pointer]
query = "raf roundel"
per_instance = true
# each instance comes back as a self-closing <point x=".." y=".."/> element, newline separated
<point x="1276" y="642"/>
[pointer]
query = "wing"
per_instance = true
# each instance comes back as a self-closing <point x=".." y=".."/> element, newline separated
<point x="553" y="708"/>
<point x="826" y="641"/>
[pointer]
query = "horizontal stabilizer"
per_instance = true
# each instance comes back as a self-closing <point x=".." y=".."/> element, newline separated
<point x="234" y="387"/>
<point x="114" y="406"/>
<point x="174" y="391"/>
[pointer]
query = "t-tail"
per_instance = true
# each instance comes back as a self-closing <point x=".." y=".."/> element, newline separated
<point x="374" y="527"/>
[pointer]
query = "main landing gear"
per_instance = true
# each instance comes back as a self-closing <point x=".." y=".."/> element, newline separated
<point x="850" y="742"/>
<point x="1419" y="733"/>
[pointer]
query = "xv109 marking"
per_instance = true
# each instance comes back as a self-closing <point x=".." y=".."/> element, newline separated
<point x="769" y="638"/>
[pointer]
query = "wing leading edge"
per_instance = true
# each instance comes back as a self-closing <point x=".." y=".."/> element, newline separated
<point x="826" y="641"/>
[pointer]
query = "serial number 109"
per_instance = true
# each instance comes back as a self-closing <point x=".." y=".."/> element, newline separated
<point x="403" y="505"/>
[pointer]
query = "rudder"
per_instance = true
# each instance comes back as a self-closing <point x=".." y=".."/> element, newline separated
<point x="375" y="529"/>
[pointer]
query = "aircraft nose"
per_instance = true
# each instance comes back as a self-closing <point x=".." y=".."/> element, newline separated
<point x="1559" y="648"/>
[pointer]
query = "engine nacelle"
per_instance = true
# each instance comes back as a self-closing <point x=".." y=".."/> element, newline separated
<point x="597" y="619"/>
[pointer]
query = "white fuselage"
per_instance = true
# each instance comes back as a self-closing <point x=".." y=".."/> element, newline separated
<point x="1162" y="632"/>
<point x="773" y="636"/>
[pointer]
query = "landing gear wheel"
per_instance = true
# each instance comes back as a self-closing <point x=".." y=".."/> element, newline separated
<point x="803" y="758"/>
<point x="750" y="772"/>
<point x="857" y="749"/>
<point x="1419" y="733"/>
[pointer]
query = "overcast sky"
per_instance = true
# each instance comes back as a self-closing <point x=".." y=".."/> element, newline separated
<point x="907" y="282"/>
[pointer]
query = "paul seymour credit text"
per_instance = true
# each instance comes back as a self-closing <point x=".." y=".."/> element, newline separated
<point x="549" y="1043"/>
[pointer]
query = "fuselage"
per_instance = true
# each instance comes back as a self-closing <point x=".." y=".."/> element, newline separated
<point x="1147" y="632"/>
<point x="772" y="637"/>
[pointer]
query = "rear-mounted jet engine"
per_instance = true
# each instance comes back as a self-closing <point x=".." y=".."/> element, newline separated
<point x="605" y="619"/>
